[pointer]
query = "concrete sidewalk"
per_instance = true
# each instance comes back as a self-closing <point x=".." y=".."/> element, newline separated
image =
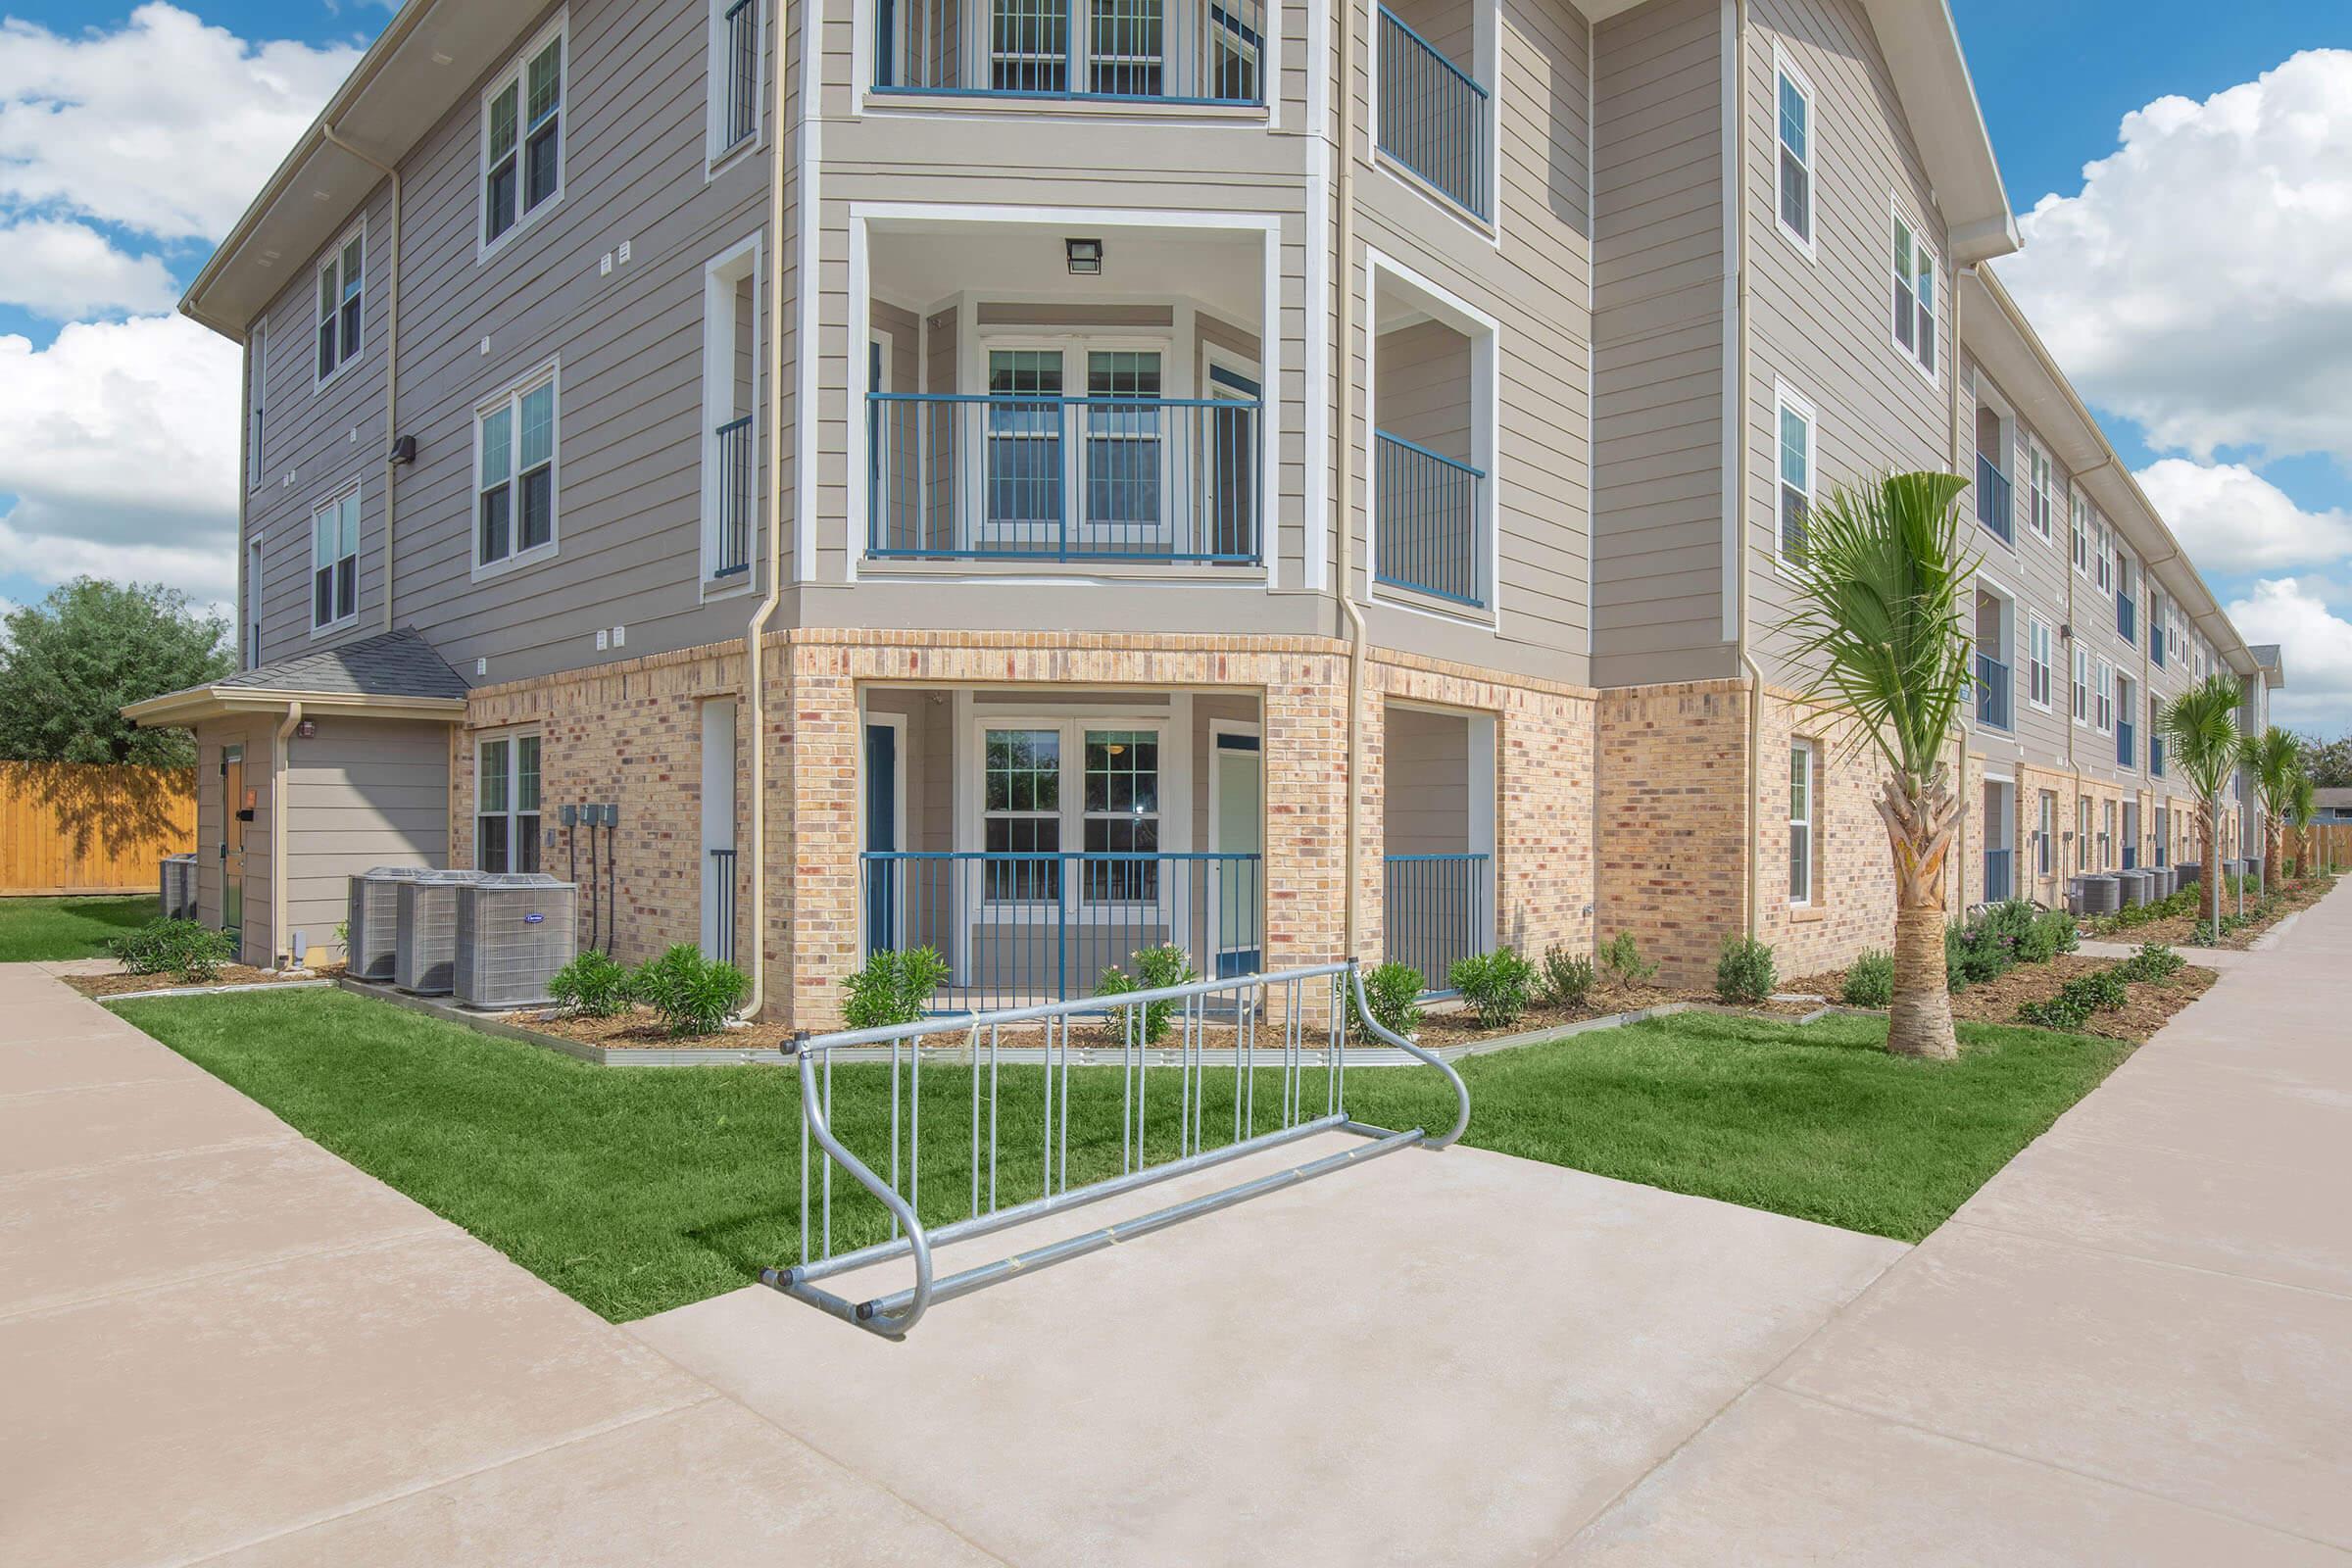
<point x="220" y="1343"/>
<point x="2135" y="1344"/>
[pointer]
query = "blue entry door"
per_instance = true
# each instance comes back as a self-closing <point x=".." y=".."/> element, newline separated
<point x="882" y="837"/>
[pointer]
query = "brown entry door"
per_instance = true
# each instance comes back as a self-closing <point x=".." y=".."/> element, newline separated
<point x="232" y="844"/>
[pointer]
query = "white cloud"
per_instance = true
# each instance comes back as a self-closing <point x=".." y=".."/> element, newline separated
<point x="2196" y="284"/>
<point x="119" y="443"/>
<point x="2315" y="645"/>
<point x="166" y="127"/>
<point x="2232" y="518"/>
<point x="64" y="270"/>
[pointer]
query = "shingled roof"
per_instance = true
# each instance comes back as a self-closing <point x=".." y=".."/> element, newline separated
<point x="392" y="664"/>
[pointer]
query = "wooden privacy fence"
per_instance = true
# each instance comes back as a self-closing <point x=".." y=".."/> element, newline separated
<point x="2328" y="843"/>
<point x="69" y="827"/>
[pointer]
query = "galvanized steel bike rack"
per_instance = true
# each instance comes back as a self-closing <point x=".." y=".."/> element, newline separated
<point x="1240" y="1006"/>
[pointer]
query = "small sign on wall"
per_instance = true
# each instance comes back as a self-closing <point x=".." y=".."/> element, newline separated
<point x="253" y="798"/>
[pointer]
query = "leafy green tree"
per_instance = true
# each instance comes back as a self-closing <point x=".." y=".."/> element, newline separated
<point x="2200" y="727"/>
<point x="1881" y="587"/>
<point x="68" y="663"/>
<point x="2329" y="763"/>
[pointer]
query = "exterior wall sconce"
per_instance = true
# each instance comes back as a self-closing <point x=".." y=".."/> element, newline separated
<point x="1085" y="257"/>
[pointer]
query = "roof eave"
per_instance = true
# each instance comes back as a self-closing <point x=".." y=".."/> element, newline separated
<point x="197" y="703"/>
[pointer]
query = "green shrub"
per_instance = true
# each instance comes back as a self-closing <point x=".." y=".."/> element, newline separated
<point x="1746" y="971"/>
<point x="893" y="988"/>
<point x="692" y="994"/>
<point x="1621" y="956"/>
<point x="2103" y="989"/>
<point x="1568" y="979"/>
<point x="1870" y="983"/>
<point x="2153" y="961"/>
<point x="2058" y="1012"/>
<point x="1155" y="969"/>
<point x="1955" y="960"/>
<point x="1394" y="993"/>
<point x="2100" y="991"/>
<point x="591" y="985"/>
<point x="1496" y="985"/>
<point x="191" y="953"/>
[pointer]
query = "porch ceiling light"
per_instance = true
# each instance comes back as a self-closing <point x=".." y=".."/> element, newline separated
<point x="1085" y="257"/>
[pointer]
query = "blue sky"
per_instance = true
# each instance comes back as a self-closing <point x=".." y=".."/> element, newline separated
<point x="2230" y="393"/>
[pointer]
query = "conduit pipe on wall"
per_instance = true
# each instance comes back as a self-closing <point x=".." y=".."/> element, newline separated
<point x="1957" y="878"/>
<point x="1357" y="634"/>
<point x="391" y="350"/>
<point x="1752" y="875"/>
<point x="2074" y="638"/>
<point x="754" y="708"/>
<point x="279" y="928"/>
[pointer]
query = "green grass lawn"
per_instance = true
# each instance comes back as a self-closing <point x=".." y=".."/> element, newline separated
<point x="638" y="1189"/>
<point x="68" y="928"/>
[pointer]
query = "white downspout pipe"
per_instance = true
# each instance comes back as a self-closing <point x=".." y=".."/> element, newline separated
<point x="391" y="351"/>
<point x="1351" y="925"/>
<point x="279" y="927"/>
<point x="1749" y="898"/>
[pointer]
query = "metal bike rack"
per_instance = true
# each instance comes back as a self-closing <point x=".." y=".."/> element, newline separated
<point x="1243" y="1006"/>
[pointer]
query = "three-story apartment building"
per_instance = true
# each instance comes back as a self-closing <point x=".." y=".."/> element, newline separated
<point x="1040" y="478"/>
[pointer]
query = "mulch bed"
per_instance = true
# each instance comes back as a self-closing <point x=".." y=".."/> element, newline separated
<point x="235" y="974"/>
<point x="2150" y="1007"/>
<point x="2179" y="930"/>
<point x="641" y="1029"/>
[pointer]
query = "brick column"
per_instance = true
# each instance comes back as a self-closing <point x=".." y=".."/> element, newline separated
<point x="819" y="835"/>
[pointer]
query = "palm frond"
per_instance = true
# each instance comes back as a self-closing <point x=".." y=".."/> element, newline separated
<point x="2200" y="726"/>
<point x="1881" y="591"/>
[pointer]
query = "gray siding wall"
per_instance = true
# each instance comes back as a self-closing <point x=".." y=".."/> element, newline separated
<point x="1659" y="323"/>
<point x="360" y="792"/>
<point x="1423" y="372"/>
<point x="1426" y="769"/>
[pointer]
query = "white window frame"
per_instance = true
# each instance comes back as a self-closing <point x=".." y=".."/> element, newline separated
<point x="2078" y="519"/>
<point x="2040" y="503"/>
<point x="2079" y="668"/>
<point x="2045" y="848"/>
<point x="1173" y="812"/>
<point x="1788" y="400"/>
<point x="1923" y="308"/>
<point x="345" y="358"/>
<point x="257" y="400"/>
<point x="720" y="277"/>
<point x="1809" y="823"/>
<point x="717" y="157"/>
<point x="2103" y="698"/>
<point x="256" y="559"/>
<point x="333" y="503"/>
<point x="515" y="74"/>
<point x="2040" y="646"/>
<point x="1785" y="69"/>
<point x="510" y="398"/>
<point x="2102" y="539"/>
<point x="514" y="814"/>
<point x="1075" y="349"/>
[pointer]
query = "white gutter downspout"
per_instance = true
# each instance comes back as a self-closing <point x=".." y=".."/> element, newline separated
<point x="754" y="688"/>
<point x="279" y="928"/>
<point x="1752" y="875"/>
<point x="1960" y="446"/>
<point x="2074" y="641"/>
<point x="391" y="351"/>
<point x="1352" y="922"/>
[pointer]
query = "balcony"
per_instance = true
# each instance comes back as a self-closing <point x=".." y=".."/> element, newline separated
<point x="1116" y="51"/>
<point x="1995" y="509"/>
<point x="1994" y="692"/>
<point x="731" y="471"/>
<point x="1437" y="909"/>
<point x="2156" y="755"/>
<point x="2127" y="750"/>
<point x="739" y="64"/>
<point x="2127" y="624"/>
<point x="1433" y="117"/>
<point x="975" y="476"/>
<point x="2000" y="875"/>
<point x="1426" y="532"/>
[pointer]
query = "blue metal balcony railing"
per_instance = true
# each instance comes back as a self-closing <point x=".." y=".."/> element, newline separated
<point x="1995" y="509"/>
<point x="1018" y="929"/>
<point x="1434" y="115"/>
<point x="731" y="471"/>
<point x="1121" y="50"/>
<point x="2127" y="624"/>
<point x="2156" y="755"/>
<point x="1994" y="691"/>
<point x="739" y="97"/>
<point x="1427" y="517"/>
<point x="1999" y="877"/>
<point x="2155" y="639"/>
<point x="1046" y="479"/>
<point x="2127" y="750"/>
<point x="1435" y="910"/>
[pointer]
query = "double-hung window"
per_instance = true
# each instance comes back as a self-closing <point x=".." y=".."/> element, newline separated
<point x="515" y="460"/>
<point x="1021" y="815"/>
<point x="342" y="298"/>
<point x="1122" y="814"/>
<point x="506" y="804"/>
<point x="2037" y="664"/>
<point x="2103" y="557"/>
<point x="1793" y="204"/>
<point x="2081" y="515"/>
<point x="1793" y="420"/>
<point x="256" y="395"/>
<point x="522" y="137"/>
<point x="335" y="561"/>
<point x="2106" y="699"/>
<point x="2082" y="668"/>
<point x="1914" y="296"/>
<point x="1803" y="777"/>
<point x="2045" y="841"/>
<point x="2038" y="489"/>
<point x="1046" y="786"/>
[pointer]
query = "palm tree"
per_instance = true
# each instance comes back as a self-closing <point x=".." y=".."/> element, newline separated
<point x="2302" y="805"/>
<point x="2275" y="763"/>
<point x="2200" y="726"/>
<point x="1880" y="588"/>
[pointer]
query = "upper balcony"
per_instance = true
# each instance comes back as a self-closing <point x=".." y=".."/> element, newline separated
<point x="1994" y="506"/>
<point x="1433" y="116"/>
<point x="1113" y="51"/>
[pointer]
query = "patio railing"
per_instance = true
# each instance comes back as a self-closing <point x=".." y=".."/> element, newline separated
<point x="1122" y="50"/>
<point x="1432" y="116"/>
<point x="2126" y="752"/>
<point x="1998" y="882"/>
<point x="1995" y="509"/>
<point x="723" y="880"/>
<point x="1437" y="909"/>
<point x="2125" y="624"/>
<point x="1994" y="692"/>
<point x="739" y="99"/>
<point x="1427" y="520"/>
<point x="732" y="448"/>
<point x="1024" y="928"/>
<point x="958" y="476"/>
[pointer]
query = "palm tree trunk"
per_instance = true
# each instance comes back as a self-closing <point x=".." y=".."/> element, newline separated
<point x="2209" y="822"/>
<point x="1920" y="825"/>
